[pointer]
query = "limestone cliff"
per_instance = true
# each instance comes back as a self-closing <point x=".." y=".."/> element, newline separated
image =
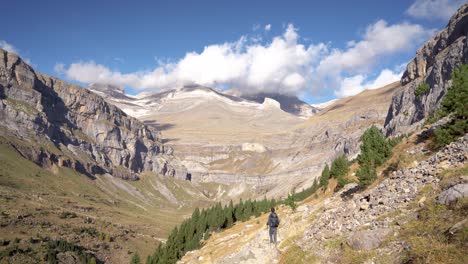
<point x="61" y="124"/>
<point x="433" y="63"/>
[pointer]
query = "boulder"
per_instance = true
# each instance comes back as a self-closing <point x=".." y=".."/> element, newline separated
<point x="453" y="193"/>
<point x="367" y="239"/>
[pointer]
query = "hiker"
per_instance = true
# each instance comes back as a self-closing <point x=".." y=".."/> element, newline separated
<point x="273" y="223"/>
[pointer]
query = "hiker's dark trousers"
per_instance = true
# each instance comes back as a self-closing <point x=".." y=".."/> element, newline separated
<point x="273" y="234"/>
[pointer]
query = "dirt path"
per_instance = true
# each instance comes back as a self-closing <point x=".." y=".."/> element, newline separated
<point x="248" y="242"/>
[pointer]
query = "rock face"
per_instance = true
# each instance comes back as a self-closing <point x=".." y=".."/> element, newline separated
<point x="433" y="63"/>
<point x="60" y="124"/>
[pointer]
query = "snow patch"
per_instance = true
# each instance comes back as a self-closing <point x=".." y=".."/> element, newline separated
<point x="270" y="103"/>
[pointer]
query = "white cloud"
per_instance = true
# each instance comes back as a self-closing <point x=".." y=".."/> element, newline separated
<point x="267" y="27"/>
<point x="358" y="83"/>
<point x="280" y="66"/>
<point x="379" y="40"/>
<point x="434" y="9"/>
<point x="8" y="47"/>
<point x="283" y="65"/>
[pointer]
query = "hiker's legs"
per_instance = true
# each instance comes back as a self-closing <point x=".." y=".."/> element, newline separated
<point x="272" y="235"/>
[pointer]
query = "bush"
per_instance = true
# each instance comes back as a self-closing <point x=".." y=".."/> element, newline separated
<point x="56" y="246"/>
<point x="66" y="215"/>
<point x="422" y="88"/>
<point x="135" y="259"/>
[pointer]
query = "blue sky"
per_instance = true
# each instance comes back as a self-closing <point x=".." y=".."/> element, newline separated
<point x="317" y="50"/>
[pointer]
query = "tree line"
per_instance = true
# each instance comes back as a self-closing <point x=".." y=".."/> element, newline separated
<point x="202" y="223"/>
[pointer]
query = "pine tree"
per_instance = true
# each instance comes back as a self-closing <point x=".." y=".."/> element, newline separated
<point x="375" y="150"/>
<point x="325" y="176"/>
<point x="374" y="147"/>
<point x="339" y="167"/>
<point x="455" y="103"/>
<point x="239" y="211"/>
<point x="366" y="174"/>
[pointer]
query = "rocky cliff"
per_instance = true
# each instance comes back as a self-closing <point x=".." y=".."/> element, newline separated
<point x="433" y="64"/>
<point x="55" y="123"/>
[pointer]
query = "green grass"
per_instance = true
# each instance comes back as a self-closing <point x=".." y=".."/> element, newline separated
<point x="22" y="106"/>
<point x="295" y="255"/>
<point x="112" y="204"/>
<point x="355" y="256"/>
<point x="421" y="89"/>
<point x="428" y="237"/>
<point x="449" y="175"/>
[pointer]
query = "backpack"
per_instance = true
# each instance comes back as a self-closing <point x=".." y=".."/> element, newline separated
<point x="274" y="220"/>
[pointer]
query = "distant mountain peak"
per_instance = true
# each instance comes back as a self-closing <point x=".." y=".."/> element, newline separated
<point x="288" y="103"/>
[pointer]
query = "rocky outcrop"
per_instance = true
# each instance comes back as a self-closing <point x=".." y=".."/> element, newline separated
<point x="453" y="193"/>
<point x="66" y="125"/>
<point x="433" y="64"/>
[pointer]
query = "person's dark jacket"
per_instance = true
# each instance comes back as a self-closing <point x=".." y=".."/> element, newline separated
<point x="273" y="220"/>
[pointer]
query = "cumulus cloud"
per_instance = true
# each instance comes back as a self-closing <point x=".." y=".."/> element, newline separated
<point x="283" y="65"/>
<point x="267" y="27"/>
<point x="434" y="9"/>
<point x="8" y="47"/>
<point x="358" y="83"/>
<point x="379" y="40"/>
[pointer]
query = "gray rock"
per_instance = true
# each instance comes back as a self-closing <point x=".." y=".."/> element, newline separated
<point x="453" y="193"/>
<point x="367" y="239"/>
<point x="62" y="124"/>
<point x="434" y="63"/>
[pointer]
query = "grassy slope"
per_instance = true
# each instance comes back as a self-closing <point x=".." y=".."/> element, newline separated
<point x="136" y="215"/>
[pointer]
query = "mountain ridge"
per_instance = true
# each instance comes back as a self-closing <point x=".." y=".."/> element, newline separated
<point x="83" y="131"/>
